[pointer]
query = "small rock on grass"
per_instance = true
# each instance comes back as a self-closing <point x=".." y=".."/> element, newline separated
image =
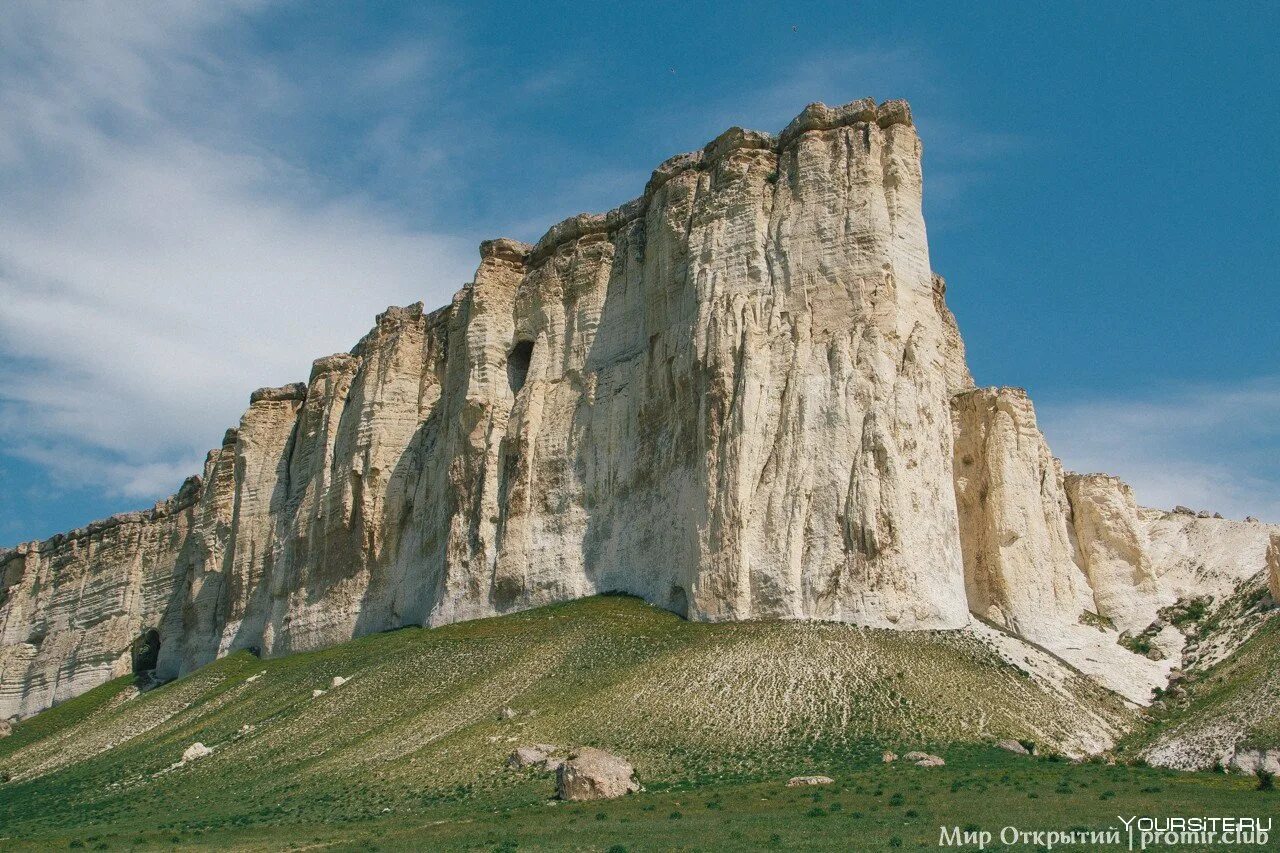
<point x="526" y="756"/>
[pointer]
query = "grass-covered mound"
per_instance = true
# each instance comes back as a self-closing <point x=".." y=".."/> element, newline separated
<point x="415" y="736"/>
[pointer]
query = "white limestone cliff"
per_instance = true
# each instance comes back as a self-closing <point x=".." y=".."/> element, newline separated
<point x="739" y="396"/>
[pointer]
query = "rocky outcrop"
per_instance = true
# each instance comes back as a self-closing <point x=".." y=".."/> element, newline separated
<point x="739" y="396"/>
<point x="73" y="605"/>
<point x="1114" y="550"/>
<point x="1020" y="559"/>
<point x="1027" y="559"/>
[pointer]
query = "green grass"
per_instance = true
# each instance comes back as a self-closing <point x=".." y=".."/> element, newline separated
<point x="715" y="718"/>
<point x="867" y="807"/>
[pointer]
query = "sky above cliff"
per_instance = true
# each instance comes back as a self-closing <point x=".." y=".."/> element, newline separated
<point x="199" y="199"/>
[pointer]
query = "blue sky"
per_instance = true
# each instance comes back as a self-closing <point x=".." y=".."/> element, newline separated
<point x="198" y="199"/>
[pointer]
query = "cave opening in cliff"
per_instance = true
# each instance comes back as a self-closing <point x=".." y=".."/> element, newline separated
<point x="146" y="651"/>
<point x="518" y="361"/>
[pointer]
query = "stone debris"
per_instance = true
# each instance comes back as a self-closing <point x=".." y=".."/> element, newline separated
<point x="196" y="751"/>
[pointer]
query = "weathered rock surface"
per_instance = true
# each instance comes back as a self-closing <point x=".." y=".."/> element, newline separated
<point x="73" y="604"/>
<point x="195" y="751"/>
<point x="1013" y="746"/>
<point x="738" y="396"/>
<point x="593" y="774"/>
<point x="1070" y="561"/>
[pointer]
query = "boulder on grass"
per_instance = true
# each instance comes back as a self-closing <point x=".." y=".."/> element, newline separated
<point x="801" y="781"/>
<point x="930" y="761"/>
<point x="526" y="756"/>
<point x="915" y="756"/>
<point x="593" y="774"/>
<point x="195" y="751"/>
<point x="1012" y="746"/>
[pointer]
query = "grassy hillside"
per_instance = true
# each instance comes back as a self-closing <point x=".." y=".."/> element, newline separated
<point x="712" y="716"/>
<point x="1230" y="699"/>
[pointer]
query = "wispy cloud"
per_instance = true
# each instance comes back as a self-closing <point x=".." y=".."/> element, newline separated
<point x="158" y="258"/>
<point x="1207" y="447"/>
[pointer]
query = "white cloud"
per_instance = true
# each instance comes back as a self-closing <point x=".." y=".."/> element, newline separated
<point x="156" y="262"/>
<point x="1207" y="447"/>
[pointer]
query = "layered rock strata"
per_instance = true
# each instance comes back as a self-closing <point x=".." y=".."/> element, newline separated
<point x="739" y="396"/>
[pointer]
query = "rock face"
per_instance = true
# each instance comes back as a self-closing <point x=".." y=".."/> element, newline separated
<point x="738" y="396"/>
<point x="1273" y="567"/>
<point x="593" y="774"/>
<point x="73" y="605"/>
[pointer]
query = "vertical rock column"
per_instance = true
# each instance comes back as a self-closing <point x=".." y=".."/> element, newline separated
<point x="1020" y="563"/>
<point x="839" y="458"/>
<point x="192" y="626"/>
<point x="468" y="472"/>
<point x="263" y="444"/>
